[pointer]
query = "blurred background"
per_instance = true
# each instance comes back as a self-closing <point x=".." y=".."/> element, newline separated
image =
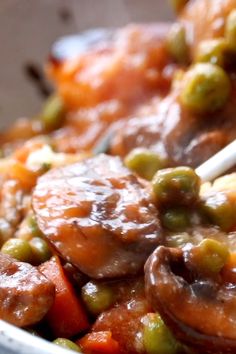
<point x="29" y="27"/>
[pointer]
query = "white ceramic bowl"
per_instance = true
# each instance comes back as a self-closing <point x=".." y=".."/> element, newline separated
<point x="27" y="30"/>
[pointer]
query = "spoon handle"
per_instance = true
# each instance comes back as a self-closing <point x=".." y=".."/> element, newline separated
<point x="221" y="162"/>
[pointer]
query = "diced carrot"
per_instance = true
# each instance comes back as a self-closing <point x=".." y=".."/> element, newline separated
<point x="67" y="317"/>
<point x="99" y="342"/>
<point x="21" y="173"/>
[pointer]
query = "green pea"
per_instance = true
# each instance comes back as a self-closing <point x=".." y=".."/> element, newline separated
<point x="178" y="5"/>
<point x="97" y="297"/>
<point x="32" y="223"/>
<point x="144" y="162"/>
<point x="210" y="256"/>
<point x="206" y="88"/>
<point x="67" y="344"/>
<point x="40" y="249"/>
<point x="18" y="249"/>
<point x="157" y="338"/>
<point x="220" y="210"/>
<point x="176" y="219"/>
<point x="53" y="113"/>
<point x="177" y="45"/>
<point x="176" y="186"/>
<point x="230" y="29"/>
<point x="214" y="51"/>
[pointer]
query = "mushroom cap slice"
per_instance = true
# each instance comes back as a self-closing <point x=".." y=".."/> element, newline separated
<point x="99" y="216"/>
<point x="201" y="312"/>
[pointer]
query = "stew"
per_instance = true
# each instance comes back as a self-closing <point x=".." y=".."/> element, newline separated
<point x="110" y="242"/>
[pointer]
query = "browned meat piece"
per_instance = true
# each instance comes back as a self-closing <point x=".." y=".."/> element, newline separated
<point x="176" y="134"/>
<point x="26" y="295"/>
<point x="200" y="309"/>
<point x="128" y="69"/>
<point x="98" y="215"/>
<point x="124" y="320"/>
<point x="125" y="323"/>
<point x="113" y="75"/>
<point x="109" y="81"/>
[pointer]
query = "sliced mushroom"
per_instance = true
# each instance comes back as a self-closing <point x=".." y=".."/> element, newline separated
<point x="201" y="310"/>
<point x="99" y="216"/>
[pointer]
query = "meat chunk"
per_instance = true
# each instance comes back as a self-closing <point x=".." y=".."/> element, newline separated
<point x="180" y="137"/>
<point x="99" y="216"/>
<point x="124" y="319"/>
<point x="134" y="60"/>
<point x="26" y="295"/>
<point x="125" y="323"/>
<point x="109" y="81"/>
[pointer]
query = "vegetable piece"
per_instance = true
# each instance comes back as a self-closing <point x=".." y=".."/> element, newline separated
<point x="67" y="316"/>
<point x="34" y="226"/>
<point x="177" y="45"/>
<point x="209" y="256"/>
<point x="178" y="5"/>
<point x="40" y="249"/>
<point x="28" y="229"/>
<point x="220" y="210"/>
<point x="157" y="338"/>
<point x="53" y="112"/>
<point x="99" y="342"/>
<point x="199" y="310"/>
<point x="230" y="29"/>
<point x="97" y="297"/>
<point x="214" y="51"/>
<point x="206" y="88"/>
<point x="175" y="219"/>
<point x="18" y="249"/>
<point x="21" y="173"/>
<point x="98" y="231"/>
<point x="67" y="344"/>
<point x="176" y="186"/>
<point x="144" y="162"/>
<point x="22" y="153"/>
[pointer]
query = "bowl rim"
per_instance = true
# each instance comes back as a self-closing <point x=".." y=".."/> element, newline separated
<point x="15" y="340"/>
